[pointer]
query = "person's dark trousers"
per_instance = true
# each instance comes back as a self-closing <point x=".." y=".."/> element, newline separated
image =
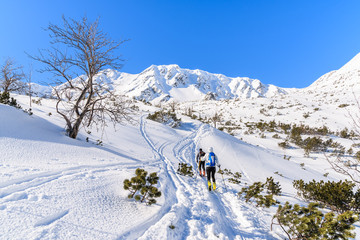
<point x="210" y="172"/>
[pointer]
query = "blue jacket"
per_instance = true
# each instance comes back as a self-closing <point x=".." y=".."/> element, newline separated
<point x="211" y="160"/>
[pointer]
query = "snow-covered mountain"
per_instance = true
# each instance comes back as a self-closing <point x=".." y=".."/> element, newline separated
<point x="41" y="90"/>
<point x="165" y="82"/>
<point x="346" y="79"/>
<point x="339" y="85"/>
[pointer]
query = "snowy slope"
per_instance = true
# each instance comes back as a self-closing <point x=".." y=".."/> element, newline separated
<point x="41" y="90"/>
<point x="58" y="188"/>
<point x="53" y="187"/>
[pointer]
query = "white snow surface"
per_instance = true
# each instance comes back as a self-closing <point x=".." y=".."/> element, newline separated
<point x="54" y="187"/>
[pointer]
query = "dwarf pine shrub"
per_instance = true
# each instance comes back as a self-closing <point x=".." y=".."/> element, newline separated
<point x="169" y="118"/>
<point x="284" y="144"/>
<point x="185" y="170"/>
<point x="309" y="222"/>
<point x="234" y="177"/>
<point x="266" y="201"/>
<point x="252" y="191"/>
<point x="338" y="196"/>
<point x="142" y="187"/>
<point x="256" y="192"/>
<point x="272" y="187"/>
<point x="5" y="99"/>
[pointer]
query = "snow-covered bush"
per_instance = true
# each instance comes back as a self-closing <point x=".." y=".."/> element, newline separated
<point x="185" y="169"/>
<point x="37" y="101"/>
<point x="313" y="144"/>
<point x="168" y="118"/>
<point x="142" y="187"/>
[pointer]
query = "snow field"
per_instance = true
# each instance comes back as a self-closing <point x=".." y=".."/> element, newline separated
<point x="53" y="187"/>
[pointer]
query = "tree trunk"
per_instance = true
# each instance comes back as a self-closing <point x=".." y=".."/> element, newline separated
<point x="73" y="132"/>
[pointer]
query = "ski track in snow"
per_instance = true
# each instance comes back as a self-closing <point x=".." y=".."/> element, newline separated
<point x="19" y="186"/>
<point x="195" y="212"/>
<point x="50" y="222"/>
<point x="50" y="219"/>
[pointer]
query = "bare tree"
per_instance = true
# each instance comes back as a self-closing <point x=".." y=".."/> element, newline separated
<point x="350" y="165"/>
<point x="28" y="78"/>
<point x="173" y="105"/>
<point x="11" y="76"/>
<point x="81" y="49"/>
<point x="216" y="118"/>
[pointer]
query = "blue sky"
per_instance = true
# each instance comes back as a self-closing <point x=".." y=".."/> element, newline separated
<point x="285" y="43"/>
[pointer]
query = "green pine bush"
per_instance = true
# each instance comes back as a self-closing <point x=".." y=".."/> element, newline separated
<point x="338" y="196"/>
<point x="169" y="118"/>
<point x="272" y="187"/>
<point x="310" y="223"/>
<point x="5" y="99"/>
<point x="185" y="170"/>
<point x="256" y="192"/>
<point x="235" y="179"/>
<point x="252" y="191"/>
<point x="266" y="201"/>
<point x="142" y="187"/>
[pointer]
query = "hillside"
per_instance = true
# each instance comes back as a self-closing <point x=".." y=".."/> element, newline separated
<point x="54" y="187"/>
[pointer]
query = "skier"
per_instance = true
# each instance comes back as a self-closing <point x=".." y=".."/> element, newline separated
<point x="211" y="161"/>
<point x="200" y="159"/>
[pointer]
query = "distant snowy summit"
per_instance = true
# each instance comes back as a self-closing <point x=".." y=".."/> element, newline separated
<point x="340" y="82"/>
<point x="165" y="82"/>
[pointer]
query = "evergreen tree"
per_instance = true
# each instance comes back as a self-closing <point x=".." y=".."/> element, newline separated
<point x="338" y="196"/>
<point x="235" y="177"/>
<point x="310" y="223"/>
<point x="255" y="191"/>
<point x="149" y="191"/>
<point x="136" y="183"/>
<point x="5" y="99"/>
<point x="142" y="187"/>
<point x="252" y="191"/>
<point x="272" y="187"/>
<point x="185" y="169"/>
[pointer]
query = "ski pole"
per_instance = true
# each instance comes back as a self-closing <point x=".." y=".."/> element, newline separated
<point x="222" y="175"/>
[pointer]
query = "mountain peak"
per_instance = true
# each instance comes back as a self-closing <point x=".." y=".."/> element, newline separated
<point x="163" y="82"/>
<point x="340" y="81"/>
<point x="353" y="64"/>
<point x="169" y="66"/>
